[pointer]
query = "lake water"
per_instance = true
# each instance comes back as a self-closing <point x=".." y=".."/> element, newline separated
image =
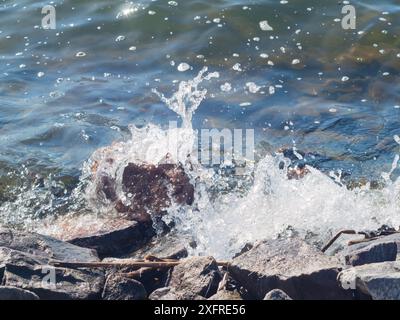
<point x="308" y="83"/>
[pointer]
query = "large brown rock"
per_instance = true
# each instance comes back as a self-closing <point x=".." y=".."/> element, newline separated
<point x="291" y="265"/>
<point x="149" y="189"/>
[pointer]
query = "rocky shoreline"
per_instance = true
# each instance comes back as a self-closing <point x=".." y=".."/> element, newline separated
<point x="279" y="269"/>
<point x="122" y="257"/>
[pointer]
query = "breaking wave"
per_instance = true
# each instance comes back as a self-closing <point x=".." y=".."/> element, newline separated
<point x="231" y="210"/>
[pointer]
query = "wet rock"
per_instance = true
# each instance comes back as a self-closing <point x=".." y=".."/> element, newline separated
<point x="291" y="265"/>
<point x="14" y="293"/>
<point x="166" y="247"/>
<point x="380" y="281"/>
<point x="45" y="246"/>
<point x="226" y="295"/>
<point x="171" y="246"/>
<point x="168" y="293"/>
<point x="111" y="237"/>
<point x="379" y="250"/>
<point x="277" y="294"/>
<point x="118" y="287"/>
<point x="197" y="275"/>
<point x="148" y="188"/>
<point x="32" y="273"/>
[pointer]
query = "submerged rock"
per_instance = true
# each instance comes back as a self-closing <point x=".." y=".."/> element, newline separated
<point x="380" y="281"/>
<point x="118" y="287"/>
<point x="32" y="273"/>
<point x="14" y="293"/>
<point x="277" y="294"/>
<point x="379" y="250"/>
<point x="291" y="265"/>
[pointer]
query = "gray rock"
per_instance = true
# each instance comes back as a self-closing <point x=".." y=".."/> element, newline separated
<point x="151" y="278"/>
<point x="113" y="237"/>
<point x="118" y="287"/>
<point x="226" y="295"/>
<point x="13" y="293"/>
<point x="379" y="250"/>
<point x="277" y="294"/>
<point x="295" y="267"/>
<point x="380" y="281"/>
<point x="171" y="245"/>
<point x="31" y="272"/>
<point x="168" y="293"/>
<point x="197" y="276"/>
<point x="44" y="246"/>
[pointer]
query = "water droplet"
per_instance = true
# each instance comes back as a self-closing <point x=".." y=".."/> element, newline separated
<point x="182" y="67"/>
<point x="264" y="26"/>
<point x="237" y="67"/>
<point x="120" y="38"/>
<point x="226" y="87"/>
<point x="271" y="90"/>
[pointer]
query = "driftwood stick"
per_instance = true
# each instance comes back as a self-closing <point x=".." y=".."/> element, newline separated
<point x="133" y="264"/>
<point x="326" y="247"/>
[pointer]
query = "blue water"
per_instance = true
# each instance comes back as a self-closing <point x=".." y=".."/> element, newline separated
<point x="57" y="107"/>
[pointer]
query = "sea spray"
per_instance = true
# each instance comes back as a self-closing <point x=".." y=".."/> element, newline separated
<point x="223" y="219"/>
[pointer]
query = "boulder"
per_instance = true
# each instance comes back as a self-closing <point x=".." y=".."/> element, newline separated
<point x="168" y="293"/>
<point x="168" y="246"/>
<point x="277" y="294"/>
<point x="45" y="246"/>
<point x="197" y="276"/>
<point x="379" y="250"/>
<point x="226" y="295"/>
<point x="289" y="264"/>
<point x="112" y="237"/>
<point x="32" y="273"/>
<point x="118" y="287"/>
<point x="146" y="188"/>
<point x="14" y="293"/>
<point x="171" y="246"/>
<point x="380" y="281"/>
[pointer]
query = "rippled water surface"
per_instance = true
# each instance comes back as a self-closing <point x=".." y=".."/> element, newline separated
<point x="66" y="92"/>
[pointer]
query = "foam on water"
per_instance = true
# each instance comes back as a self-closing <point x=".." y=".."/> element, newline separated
<point x="221" y="223"/>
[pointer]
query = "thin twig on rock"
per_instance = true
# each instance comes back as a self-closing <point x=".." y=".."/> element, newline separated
<point x="327" y="246"/>
<point x="131" y="264"/>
